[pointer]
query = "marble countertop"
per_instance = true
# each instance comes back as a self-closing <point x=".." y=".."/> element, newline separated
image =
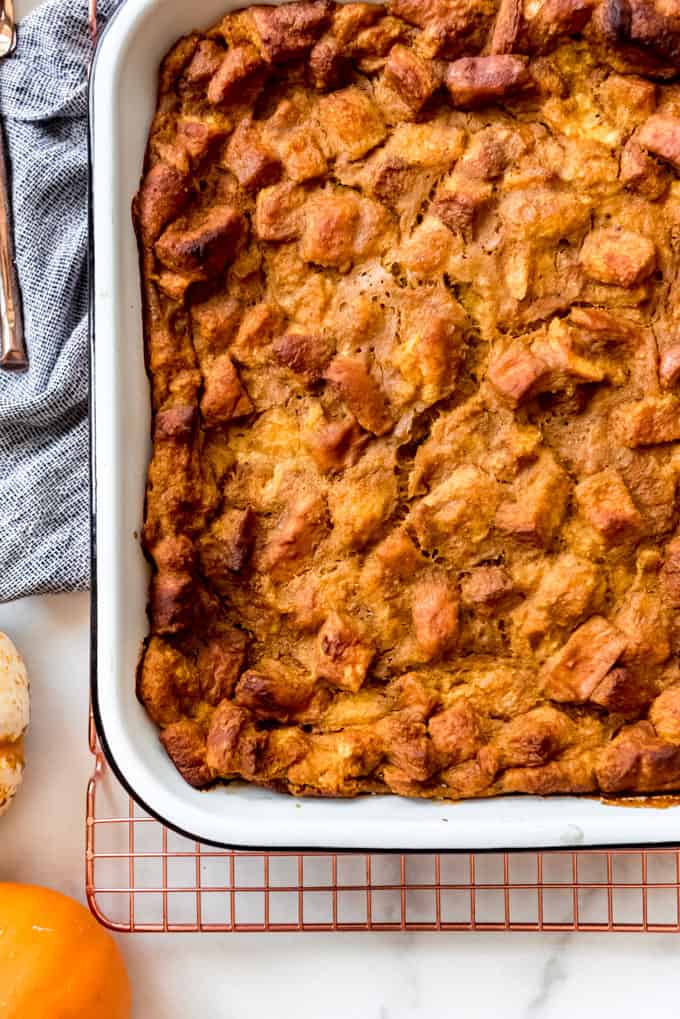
<point x="306" y="976"/>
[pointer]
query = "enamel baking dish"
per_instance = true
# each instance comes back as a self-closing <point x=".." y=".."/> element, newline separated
<point x="123" y="97"/>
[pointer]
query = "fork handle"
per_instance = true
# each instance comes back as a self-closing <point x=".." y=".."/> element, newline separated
<point x="12" y="347"/>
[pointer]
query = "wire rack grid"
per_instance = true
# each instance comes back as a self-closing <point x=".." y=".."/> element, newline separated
<point x="142" y="877"/>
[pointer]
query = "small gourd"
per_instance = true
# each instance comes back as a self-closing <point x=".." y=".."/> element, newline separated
<point x="14" y="715"/>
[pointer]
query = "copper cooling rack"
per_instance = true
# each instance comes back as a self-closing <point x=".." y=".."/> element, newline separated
<point x="142" y="877"/>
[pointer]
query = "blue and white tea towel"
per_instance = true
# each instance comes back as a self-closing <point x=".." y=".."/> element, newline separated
<point x="44" y="502"/>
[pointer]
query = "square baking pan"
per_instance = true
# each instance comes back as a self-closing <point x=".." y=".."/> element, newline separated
<point x="123" y="97"/>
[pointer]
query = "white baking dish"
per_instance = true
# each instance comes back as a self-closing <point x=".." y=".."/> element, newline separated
<point x="122" y="103"/>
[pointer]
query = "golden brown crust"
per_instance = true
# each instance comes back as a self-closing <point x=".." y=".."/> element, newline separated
<point x="478" y="81"/>
<point x="185" y="744"/>
<point x="411" y="290"/>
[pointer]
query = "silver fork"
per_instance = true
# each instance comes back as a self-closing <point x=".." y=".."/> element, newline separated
<point x="12" y="347"/>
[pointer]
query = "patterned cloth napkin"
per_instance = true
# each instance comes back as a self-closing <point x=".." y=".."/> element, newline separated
<point x="44" y="502"/>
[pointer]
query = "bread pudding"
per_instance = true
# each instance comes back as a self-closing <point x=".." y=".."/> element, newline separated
<point x="411" y="286"/>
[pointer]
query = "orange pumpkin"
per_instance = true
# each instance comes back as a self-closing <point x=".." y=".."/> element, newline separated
<point x="56" y="962"/>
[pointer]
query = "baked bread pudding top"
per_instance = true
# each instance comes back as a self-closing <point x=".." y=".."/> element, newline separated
<point x="411" y="290"/>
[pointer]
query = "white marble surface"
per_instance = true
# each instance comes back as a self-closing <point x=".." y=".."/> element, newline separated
<point x="306" y="976"/>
